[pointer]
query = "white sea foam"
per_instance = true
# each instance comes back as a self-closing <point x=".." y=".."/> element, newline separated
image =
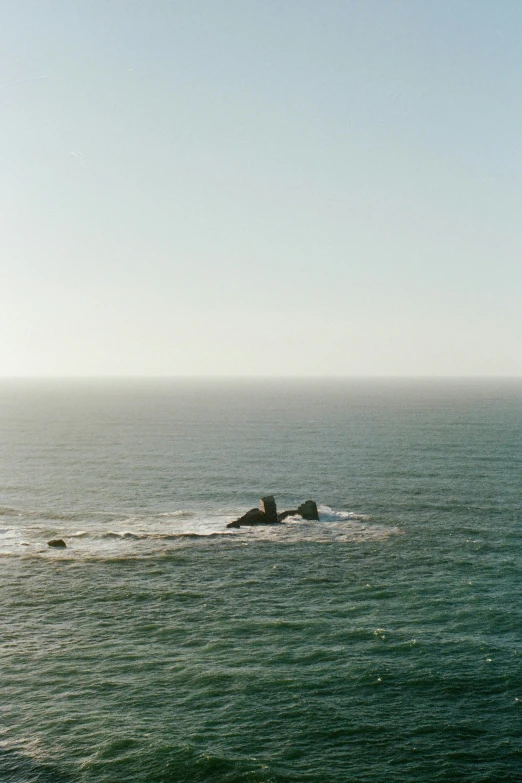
<point x="299" y="530"/>
<point x="138" y="535"/>
<point x="327" y="514"/>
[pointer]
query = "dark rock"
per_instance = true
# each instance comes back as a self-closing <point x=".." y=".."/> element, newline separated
<point x="308" y="510"/>
<point x="267" y="514"/>
<point x="253" y="517"/>
<point x="59" y="543"/>
<point x="268" y="506"/>
<point x="284" y="514"/>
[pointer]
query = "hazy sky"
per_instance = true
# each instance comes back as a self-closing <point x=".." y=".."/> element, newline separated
<point x="260" y="187"/>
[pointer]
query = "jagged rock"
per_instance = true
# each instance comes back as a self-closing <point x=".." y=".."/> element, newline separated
<point x="268" y="506"/>
<point x="58" y="543"/>
<point x="308" y="510"/>
<point x="253" y="517"/>
<point x="284" y="514"/>
<point x="267" y="514"/>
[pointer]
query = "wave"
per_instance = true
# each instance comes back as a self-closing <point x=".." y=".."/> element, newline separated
<point x="123" y="534"/>
<point x="327" y="514"/>
<point x="128" y="534"/>
<point x="17" y="764"/>
<point x="6" y="511"/>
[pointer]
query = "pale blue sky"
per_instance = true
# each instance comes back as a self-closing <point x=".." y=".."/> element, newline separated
<point x="251" y="187"/>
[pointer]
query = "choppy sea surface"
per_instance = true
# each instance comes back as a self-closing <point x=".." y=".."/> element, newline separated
<point x="382" y="643"/>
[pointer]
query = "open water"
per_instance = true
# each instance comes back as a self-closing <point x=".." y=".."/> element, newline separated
<point x="382" y="643"/>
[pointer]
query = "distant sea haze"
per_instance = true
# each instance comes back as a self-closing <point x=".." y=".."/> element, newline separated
<point x="381" y="643"/>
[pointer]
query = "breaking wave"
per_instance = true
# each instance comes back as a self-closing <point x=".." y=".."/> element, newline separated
<point x="327" y="514"/>
<point x="128" y="535"/>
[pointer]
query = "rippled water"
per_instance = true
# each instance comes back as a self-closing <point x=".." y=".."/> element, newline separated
<point x="382" y="643"/>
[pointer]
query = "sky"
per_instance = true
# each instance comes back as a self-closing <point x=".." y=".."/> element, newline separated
<point x="260" y="188"/>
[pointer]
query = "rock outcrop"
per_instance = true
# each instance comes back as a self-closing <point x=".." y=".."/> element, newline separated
<point x="267" y="514"/>
<point x="284" y="514"/>
<point x="268" y="506"/>
<point x="58" y="543"/>
<point x="253" y="517"/>
<point x="308" y="510"/>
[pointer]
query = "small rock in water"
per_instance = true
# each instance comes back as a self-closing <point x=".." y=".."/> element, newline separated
<point x="308" y="510"/>
<point x="59" y="543"/>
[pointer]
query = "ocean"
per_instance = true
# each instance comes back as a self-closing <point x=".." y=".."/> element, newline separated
<point x="381" y="643"/>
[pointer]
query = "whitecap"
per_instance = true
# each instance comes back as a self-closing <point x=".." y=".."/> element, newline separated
<point x="328" y="514"/>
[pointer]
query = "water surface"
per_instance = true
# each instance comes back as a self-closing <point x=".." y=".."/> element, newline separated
<point x="382" y="643"/>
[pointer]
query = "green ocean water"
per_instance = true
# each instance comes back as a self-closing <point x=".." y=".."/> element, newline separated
<point x="382" y="643"/>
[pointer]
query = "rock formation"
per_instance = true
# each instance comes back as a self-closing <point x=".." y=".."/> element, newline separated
<point x="268" y="506"/>
<point x="267" y="514"/>
<point x="308" y="510"/>
<point x="253" y="517"/>
<point x="58" y="543"/>
<point x="284" y="514"/>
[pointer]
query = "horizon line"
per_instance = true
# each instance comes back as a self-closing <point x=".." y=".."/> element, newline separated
<point x="256" y="377"/>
